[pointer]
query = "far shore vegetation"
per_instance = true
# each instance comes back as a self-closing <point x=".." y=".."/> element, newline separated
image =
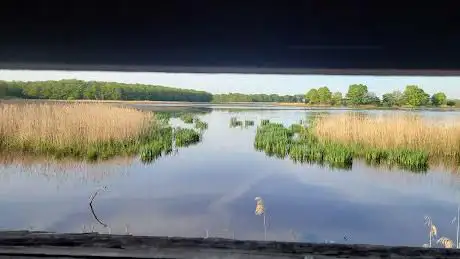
<point x="87" y="131"/>
<point x="357" y="96"/>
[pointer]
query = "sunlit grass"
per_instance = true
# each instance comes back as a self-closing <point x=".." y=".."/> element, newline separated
<point x="302" y="145"/>
<point x="393" y="132"/>
<point x="89" y="131"/>
<point x="69" y="124"/>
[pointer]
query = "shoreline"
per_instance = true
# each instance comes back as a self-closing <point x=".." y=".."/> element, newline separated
<point x="235" y="105"/>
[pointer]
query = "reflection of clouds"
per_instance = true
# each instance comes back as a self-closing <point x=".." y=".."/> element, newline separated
<point x="375" y="185"/>
<point x="212" y="186"/>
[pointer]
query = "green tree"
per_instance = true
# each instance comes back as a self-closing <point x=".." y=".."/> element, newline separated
<point x="237" y="97"/>
<point x="451" y="103"/>
<point x="324" y="95"/>
<point x="371" y="98"/>
<point x="439" y="99"/>
<point x="312" y="96"/>
<point x="336" y="98"/>
<point x="3" y="89"/>
<point x="357" y="94"/>
<point x="415" y="96"/>
<point x="394" y="98"/>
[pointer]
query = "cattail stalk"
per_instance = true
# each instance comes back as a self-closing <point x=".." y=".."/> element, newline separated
<point x="260" y="210"/>
<point x="458" y="223"/>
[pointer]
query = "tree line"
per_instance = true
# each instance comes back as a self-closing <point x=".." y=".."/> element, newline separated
<point x="238" y="97"/>
<point x="358" y="94"/>
<point x="94" y="90"/>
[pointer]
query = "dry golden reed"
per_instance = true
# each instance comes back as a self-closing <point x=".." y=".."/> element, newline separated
<point x="67" y="124"/>
<point x="437" y="137"/>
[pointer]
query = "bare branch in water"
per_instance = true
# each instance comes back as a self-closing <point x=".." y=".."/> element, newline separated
<point x="91" y="206"/>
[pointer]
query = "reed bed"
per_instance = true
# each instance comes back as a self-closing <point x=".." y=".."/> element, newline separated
<point x="301" y="144"/>
<point x="88" y="131"/>
<point x="436" y="137"/>
<point x="69" y="124"/>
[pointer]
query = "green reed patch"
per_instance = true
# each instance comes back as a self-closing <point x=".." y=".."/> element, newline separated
<point x="200" y="125"/>
<point x="157" y="145"/>
<point x="163" y="117"/>
<point x="248" y="123"/>
<point x="264" y="122"/>
<point x="186" y="137"/>
<point x="234" y="122"/>
<point x="187" y="118"/>
<point x="296" y="128"/>
<point x="276" y="140"/>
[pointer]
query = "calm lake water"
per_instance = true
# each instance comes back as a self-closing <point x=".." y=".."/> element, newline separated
<point x="209" y="189"/>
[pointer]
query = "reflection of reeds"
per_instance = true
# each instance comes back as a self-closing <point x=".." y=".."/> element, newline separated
<point x="260" y="211"/>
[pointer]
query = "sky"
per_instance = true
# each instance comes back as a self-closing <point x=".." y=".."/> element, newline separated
<point x="250" y="83"/>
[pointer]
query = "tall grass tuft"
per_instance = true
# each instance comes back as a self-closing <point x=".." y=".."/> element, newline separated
<point x="234" y="122"/>
<point x="264" y="122"/>
<point x="200" y="125"/>
<point x="296" y="128"/>
<point x="163" y="116"/>
<point x="187" y="118"/>
<point x="276" y="140"/>
<point x="159" y="144"/>
<point x="248" y="123"/>
<point x="186" y="137"/>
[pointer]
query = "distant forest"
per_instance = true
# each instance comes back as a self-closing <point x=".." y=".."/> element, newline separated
<point x="93" y="90"/>
<point x="356" y="95"/>
<point x="237" y="97"/>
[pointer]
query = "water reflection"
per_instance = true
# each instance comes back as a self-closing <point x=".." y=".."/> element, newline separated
<point x="209" y="189"/>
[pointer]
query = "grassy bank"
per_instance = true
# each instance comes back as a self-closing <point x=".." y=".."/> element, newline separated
<point x="407" y="142"/>
<point x="82" y="130"/>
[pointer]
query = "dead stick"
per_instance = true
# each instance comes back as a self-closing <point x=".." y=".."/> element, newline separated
<point x="92" y="209"/>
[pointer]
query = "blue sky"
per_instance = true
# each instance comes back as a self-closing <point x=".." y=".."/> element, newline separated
<point x="249" y="83"/>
